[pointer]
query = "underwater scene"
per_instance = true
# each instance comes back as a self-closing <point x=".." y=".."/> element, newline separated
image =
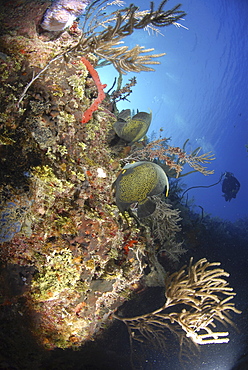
<point x="123" y="185"/>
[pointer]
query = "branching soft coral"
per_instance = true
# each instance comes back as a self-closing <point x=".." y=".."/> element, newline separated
<point x="121" y="93"/>
<point x="120" y="24"/>
<point x="205" y="295"/>
<point x="172" y="159"/>
<point x="165" y="225"/>
<point x="127" y="60"/>
<point x="115" y="26"/>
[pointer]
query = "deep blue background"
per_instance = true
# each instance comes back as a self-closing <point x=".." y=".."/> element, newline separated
<point x="199" y="92"/>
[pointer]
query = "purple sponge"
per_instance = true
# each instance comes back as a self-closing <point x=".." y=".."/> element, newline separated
<point x="62" y="13"/>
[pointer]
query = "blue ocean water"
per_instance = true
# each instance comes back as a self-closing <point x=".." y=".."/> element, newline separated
<point x="199" y="92"/>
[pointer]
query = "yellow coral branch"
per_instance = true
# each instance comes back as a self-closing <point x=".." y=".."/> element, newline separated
<point x="201" y="289"/>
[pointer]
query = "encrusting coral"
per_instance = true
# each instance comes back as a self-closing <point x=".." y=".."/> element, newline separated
<point x="62" y="219"/>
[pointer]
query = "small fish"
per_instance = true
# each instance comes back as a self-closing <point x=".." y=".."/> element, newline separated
<point x="132" y="129"/>
<point x="136" y="183"/>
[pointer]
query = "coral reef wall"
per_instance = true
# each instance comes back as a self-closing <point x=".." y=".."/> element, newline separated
<point x="61" y="240"/>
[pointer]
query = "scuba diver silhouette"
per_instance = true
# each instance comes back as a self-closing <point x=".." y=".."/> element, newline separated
<point x="230" y="186"/>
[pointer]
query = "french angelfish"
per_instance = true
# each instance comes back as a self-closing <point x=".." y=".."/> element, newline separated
<point x="132" y="129"/>
<point x="136" y="183"/>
